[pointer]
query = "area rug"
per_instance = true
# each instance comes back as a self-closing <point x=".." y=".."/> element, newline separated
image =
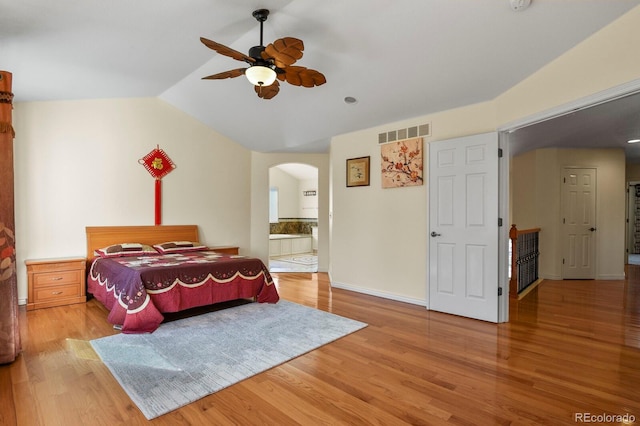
<point x="185" y="360"/>
<point x="302" y="260"/>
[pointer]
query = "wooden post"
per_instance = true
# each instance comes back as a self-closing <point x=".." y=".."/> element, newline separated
<point x="9" y="330"/>
<point x="513" y="282"/>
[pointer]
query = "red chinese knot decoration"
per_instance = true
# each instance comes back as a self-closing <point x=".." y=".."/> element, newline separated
<point x="158" y="164"/>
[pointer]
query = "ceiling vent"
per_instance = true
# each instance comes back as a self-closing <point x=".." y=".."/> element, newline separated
<point x="409" y="132"/>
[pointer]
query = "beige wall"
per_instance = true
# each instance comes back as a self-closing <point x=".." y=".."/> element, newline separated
<point x="605" y="60"/>
<point x="260" y="165"/>
<point x="633" y="172"/>
<point x="378" y="237"/>
<point x="76" y="165"/>
<point x="379" y="241"/>
<point x="537" y="186"/>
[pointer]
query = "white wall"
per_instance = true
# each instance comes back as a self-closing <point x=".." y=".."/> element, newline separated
<point x="308" y="204"/>
<point x="291" y="201"/>
<point x="76" y="165"/>
<point x="288" y="199"/>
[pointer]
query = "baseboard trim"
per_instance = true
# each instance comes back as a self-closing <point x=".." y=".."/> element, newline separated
<point x="378" y="293"/>
<point x="529" y="288"/>
<point x="551" y="277"/>
<point x="611" y="277"/>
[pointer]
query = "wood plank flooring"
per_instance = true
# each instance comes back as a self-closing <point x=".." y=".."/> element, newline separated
<point x="572" y="348"/>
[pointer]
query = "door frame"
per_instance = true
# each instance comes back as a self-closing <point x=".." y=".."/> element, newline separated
<point x="504" y="176"/>
<point x="503" y="231"/>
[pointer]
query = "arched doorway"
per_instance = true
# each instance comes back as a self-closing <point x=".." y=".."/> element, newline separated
<point x="293" y="218"/>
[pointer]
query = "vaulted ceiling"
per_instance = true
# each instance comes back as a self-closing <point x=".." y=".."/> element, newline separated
<point x="398" y="59"/>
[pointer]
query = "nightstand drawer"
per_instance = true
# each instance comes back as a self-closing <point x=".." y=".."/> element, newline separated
<point x="45" y="279"/>
<point x="47" y="294"/>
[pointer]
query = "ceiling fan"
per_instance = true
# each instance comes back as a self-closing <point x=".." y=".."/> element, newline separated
<point x="268" y="63"/>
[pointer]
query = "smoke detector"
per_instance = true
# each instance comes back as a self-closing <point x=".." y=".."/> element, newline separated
<point x="519" y="5"/>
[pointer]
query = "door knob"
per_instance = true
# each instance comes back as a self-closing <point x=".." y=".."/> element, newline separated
<point x="435" y="234"/>
<point x="592" y="229"/>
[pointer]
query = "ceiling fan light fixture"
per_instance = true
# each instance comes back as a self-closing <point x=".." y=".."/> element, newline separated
<point x="260" y="75"/>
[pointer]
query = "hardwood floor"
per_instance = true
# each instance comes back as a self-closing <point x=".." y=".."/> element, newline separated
<point x="572" y="348"/>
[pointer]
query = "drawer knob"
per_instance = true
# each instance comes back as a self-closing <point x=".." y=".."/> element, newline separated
<point x="56" y="292"/>
<point x="56" y="279"/>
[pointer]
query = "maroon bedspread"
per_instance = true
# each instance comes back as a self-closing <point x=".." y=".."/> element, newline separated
<point x="137" y="290"/>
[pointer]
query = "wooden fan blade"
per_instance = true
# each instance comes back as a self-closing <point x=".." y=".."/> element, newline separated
<point x="227" y="74"/>
<point x="226" y="51"/>
<point x="268" y="92"/>
<point x="284" y="51"/>
<point x="302" y="76"/>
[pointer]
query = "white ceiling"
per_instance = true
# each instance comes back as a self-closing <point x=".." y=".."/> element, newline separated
<point x="400" y="59"/>
<point x="607" y="125"/>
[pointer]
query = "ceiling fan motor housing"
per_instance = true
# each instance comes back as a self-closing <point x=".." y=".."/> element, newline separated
<point x="256" y="52"/>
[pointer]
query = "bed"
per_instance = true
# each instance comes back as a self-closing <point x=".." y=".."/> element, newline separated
<point x="137" y="283"/>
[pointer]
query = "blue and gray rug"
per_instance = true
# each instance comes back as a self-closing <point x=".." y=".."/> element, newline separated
<point x="185" y="360"/>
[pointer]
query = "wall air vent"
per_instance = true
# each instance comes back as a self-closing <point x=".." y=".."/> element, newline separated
<point x="407" y="133"/>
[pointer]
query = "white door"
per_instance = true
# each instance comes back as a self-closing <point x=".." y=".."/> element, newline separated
<point x="463" y="226"/>
<point x="579" y="223"/>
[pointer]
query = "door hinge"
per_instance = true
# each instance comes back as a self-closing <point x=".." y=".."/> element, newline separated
<point x="499" y="291"/>
<point x="499" y="152"/>
<point x="499" y="221"/>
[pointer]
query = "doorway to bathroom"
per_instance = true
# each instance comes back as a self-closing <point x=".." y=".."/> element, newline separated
<point x="293" y="218"/>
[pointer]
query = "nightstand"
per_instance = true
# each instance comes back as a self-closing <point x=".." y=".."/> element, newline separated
<point x="55" y="282"/>
<point x="225" y="249"/>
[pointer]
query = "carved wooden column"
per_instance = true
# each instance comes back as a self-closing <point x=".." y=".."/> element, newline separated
<point x="9" y="329"/>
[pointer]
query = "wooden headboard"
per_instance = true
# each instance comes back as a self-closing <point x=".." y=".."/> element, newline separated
<point x="103" y="236"/>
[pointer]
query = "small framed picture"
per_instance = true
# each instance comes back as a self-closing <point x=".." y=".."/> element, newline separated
<point x="358" y="171"/>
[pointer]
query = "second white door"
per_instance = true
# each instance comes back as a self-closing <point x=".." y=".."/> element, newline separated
<point x="578" y="223"/>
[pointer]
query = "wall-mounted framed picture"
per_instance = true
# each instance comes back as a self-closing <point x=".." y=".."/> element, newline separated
<point x="358" y="171"/>
<point x="401" y="163"/>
